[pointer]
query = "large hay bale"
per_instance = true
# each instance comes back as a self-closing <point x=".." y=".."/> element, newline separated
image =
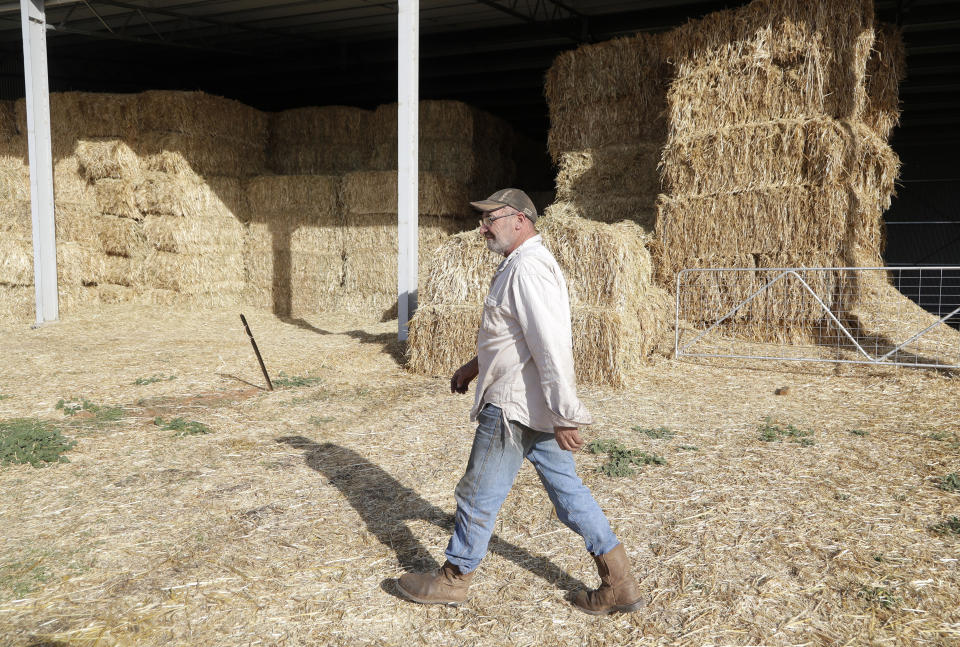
<point x="786" y="59"/>
<point x="618" y="315"/>
<point x="610" y="93"/>
<point x="320" y="140"/>
<point x="83" y="115"/>
<point x="198" y="113"/>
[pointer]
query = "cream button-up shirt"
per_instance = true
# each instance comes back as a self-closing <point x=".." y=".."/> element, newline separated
<point x="525" y="347"/>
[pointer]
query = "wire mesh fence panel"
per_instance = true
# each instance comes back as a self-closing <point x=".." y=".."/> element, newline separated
<point x="904" y="316"/>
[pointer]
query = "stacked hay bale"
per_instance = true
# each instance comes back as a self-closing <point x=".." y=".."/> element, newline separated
<point x="148" y="199"/>
<point x="607" y="127"/>
<point x="320" y="140"/>
<point x="293" y="248"/>
<point x="196" y="149"/>
<point x="618" y="315"/>
<point x="457" y="141"/>
<point x="82" y="264"/>
<point x="768" y="162"/>
<point x="369" y="234"/>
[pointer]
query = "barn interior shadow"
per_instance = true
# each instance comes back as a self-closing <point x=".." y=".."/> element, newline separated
<point x="385" y="505"/>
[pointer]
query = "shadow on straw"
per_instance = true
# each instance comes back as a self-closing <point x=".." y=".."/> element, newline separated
<point x="385" y="505"/>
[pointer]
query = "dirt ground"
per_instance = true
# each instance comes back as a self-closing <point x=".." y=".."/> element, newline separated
<point x="820" y="516"/>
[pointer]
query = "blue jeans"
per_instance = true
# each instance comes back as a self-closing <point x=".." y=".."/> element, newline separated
<point x="494" y="463"/>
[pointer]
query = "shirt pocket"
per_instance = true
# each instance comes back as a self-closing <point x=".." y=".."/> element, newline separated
<point x="492" y="322"/>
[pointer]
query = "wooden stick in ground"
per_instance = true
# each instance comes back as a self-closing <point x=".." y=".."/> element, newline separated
<point x="257" y="351"/>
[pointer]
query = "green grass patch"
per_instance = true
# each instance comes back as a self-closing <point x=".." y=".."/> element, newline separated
<point x="182" y="427"/>
<point x="5" y="396"/>
<point x="33" y="441"/>
<point x="689" y="448"/>
<point x="772" y="432"/>
<point x="880" y="596"/>
<point x="622" y="461"/>
<point x="141" y="381"/>
<point x="950" y="482"/>
<point x="100" y="413"/>
<point x="949" y="526"/>
<point x="859" y="432"/>
<point x="292" y="381"/>
<point x="657" y="434"/>
<point x="21" y="577"/>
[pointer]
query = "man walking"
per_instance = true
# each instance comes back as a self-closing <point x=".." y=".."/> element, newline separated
<point x="526" y="406"/>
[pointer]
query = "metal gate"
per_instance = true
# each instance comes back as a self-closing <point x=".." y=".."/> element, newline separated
<point x="903" y="316"/>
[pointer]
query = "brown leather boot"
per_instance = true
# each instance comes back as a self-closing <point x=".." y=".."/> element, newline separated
<point x="446" y="586"/>
<point x="618" y="590"/>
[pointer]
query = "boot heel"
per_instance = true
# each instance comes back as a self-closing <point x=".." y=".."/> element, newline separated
<point x="630" y="608"/>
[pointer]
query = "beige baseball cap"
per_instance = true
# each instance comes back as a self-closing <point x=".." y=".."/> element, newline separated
<point x="508" y="198"/>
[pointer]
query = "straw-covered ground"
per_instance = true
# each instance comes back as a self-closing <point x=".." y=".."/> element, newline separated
<point x="289" y="522"/>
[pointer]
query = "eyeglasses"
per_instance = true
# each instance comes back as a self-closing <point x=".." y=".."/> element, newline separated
<point x="486" y="221"/>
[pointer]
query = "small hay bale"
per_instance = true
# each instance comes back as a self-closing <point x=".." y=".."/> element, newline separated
<point x="13" y="154"/>
<point x="375" y="192"/>
<point x="107" y="158"/>
<point x="601" y="125"/>
<point x="17" y="303"/>
<point x="618" y="170"/>
<point x="442" y="338"/>
<point x="16" y="221"/>
<point x="781" y="152"/>
<point x="318" y="140"/>
<point x="293" y="200"/>
<point x="198" y="235"/>
<point x="186" y="153"/>
<point x="16" y="261"/>
<point x="15" y="184"/>
<point x="82" y="115"/>
<point x="77" y="223"/>
<point x="121" y="270"/>
<point x="192" y="273"/>
<point x="121" y="198"/>
<point x="189" y="196"/>
<point x="465" y="144"/>
<point x="204" y="115"/>
<point x="787" y="58"/>
<point x="121" y="236"/>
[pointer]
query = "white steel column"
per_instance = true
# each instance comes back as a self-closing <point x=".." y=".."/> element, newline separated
<point x="34" y="25"/>
<point x="408" y="64"/>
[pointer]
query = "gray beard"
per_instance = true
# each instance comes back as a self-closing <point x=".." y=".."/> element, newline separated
<point x="494" y="246"/>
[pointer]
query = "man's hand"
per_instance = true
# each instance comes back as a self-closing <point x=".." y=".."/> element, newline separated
<point x="463" y="376"/>
<point x="568" y="438"/>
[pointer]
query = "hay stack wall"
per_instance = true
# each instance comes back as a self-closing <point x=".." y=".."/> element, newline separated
<point x="618" y="315"/>
<point x="783" y="171"/>
<point x="293" y="248"/>
<point x="148" y="200"/>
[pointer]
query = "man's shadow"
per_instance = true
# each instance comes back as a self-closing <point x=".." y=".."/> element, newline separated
<point x="386" y="506"/>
